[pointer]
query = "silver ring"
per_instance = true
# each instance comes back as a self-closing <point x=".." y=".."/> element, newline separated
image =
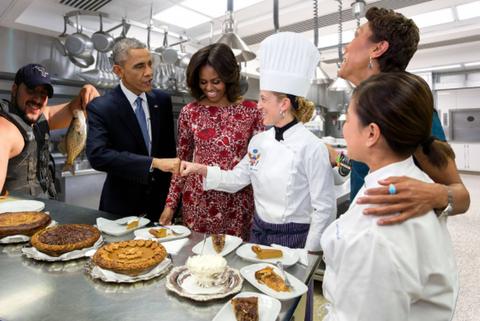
<point x="391" y="189"/>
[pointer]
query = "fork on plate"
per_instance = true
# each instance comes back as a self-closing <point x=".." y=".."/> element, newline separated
<point x="287" y="281"/>
<point x="156" y="224"/>
<point x="137" y="217"/>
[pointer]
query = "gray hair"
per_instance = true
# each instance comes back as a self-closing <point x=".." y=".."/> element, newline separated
<point x="121" y="48"/>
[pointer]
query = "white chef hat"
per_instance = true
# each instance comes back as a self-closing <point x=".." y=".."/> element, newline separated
<point x="287" y="63"/>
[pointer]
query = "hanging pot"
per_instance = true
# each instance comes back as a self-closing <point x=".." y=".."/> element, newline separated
<point x="79" y="45"/>
<point x="102" y="41"/>
<point x="123" y="34"/>
<point x="59" y="43"/>
<point x="82" y="62"/>
<point x="243" y="85"/>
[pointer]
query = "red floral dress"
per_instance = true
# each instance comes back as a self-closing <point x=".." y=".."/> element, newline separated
<point x="219" y="136"/>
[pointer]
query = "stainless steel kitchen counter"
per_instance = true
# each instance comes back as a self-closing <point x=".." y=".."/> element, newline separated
<point x="41" y="291"/>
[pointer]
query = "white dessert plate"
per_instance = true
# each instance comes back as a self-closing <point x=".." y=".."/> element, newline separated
<point x="245" y="252"/>
<point x="180" y="281"/>
<point x="268" y="308"/>
<point x="231" y="243"/>
<point x="298" y="287"/>
<point x="21" y="206"/>
<point x="182" y="231"/>
<point x="119" y="227"/>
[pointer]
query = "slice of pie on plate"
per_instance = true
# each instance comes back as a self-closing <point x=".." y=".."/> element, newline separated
<point x="60" y="239"/>
<point x="245" y="308"/>
<point x="23" y="223"/>
<point x="218" y="242"/>
<point x="132" y="257"/>
<point x="271" y="279"/>
<point x="263" y="253"/>
<point x="158" y="232"/>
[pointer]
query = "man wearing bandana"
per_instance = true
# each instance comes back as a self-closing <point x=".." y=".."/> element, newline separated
<point x="25" y="122"/>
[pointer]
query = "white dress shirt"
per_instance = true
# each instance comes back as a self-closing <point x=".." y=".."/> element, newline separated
<point x="131" y="97"/>
<point x="292" y="180"/>
<point x="398" y="272"/>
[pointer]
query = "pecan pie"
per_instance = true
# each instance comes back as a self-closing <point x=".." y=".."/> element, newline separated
<point x="60" y="239"/>
<point x="218" y="241"/>
<point x="23" y="223"/>
<point x="271" y="279"/>
<point x="132" y="257"/>
<point x="266" y="253"/>
<point x="245" y="309"/>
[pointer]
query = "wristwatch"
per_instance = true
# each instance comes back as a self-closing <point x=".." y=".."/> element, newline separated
<point x="449" y="209"/>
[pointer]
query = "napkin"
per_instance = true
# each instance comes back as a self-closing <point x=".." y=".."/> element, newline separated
<point x="173" y="247"/>
<point x="302" y="253"/>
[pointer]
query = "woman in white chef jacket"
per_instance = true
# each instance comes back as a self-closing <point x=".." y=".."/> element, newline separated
<point x="287" y="165"/>
<point x="398" y="272"/>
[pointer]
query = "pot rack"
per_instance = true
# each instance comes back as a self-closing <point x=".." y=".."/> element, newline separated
<point x="127" y="22"/>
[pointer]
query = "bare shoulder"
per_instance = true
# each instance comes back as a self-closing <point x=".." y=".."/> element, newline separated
<point x="13" y="137"/>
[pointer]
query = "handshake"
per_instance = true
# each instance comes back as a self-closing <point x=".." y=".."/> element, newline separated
<point x="177" y="166"/>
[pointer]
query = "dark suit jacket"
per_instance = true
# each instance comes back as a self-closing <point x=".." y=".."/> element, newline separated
<point x="115" y="145"/>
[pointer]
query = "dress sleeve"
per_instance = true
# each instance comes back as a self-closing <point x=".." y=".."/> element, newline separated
<point x="185" y="148"/>
<point x="322" y="195"/>
<point x="370" y="282"/>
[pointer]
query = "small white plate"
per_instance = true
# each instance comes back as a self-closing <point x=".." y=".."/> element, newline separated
<point x="21" y="206"/>
<point x="119" y="227"/>
<point x="231" y="243"/>
<point x="145" y="234"/>
<point x="268" y="308"/>
<point x="298" y="287"/>
<point x="245" y="252"/>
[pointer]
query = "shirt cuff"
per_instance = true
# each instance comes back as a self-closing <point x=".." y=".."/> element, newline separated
<point x="212" y="180"/>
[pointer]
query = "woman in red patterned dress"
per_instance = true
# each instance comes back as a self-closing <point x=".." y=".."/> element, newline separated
<point x="214" y="130"/>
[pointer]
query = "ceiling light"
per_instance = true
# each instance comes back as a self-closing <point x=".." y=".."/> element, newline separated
<point x="436" y="68"/>
<point x="468" y="10"/>
<point x="340" y="84"/>
<point x="189" y="18"/>
<point x="215" y="8"/>
<point x="321" y="76"/>
<point x="472" y="64"/>
<point x="231" y="39"/>
<point x="433" y="18"/>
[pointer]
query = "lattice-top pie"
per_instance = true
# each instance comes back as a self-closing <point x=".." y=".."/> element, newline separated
<point x="60" y="239"/>
<point x="23" y="223"/>
<point x="245" y="309"/>
<point x="132" y="257"/>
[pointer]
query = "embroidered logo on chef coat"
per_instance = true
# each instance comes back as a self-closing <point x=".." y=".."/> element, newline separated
<point x="254" y="157"/>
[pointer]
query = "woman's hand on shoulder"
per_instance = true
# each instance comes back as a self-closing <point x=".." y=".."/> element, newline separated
<point x="412" y="198"/>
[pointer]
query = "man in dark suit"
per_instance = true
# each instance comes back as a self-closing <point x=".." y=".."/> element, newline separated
<point x="131" y="136"/>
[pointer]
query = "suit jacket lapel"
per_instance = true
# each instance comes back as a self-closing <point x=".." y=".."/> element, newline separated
<point x="128" y="117"/>
<point x="154" y="110"/>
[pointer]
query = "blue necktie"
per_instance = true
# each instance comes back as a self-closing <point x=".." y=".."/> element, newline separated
<point x="142" y="121"/>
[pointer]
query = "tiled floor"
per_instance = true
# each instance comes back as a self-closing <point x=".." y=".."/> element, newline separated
<point x="465" y="232"/>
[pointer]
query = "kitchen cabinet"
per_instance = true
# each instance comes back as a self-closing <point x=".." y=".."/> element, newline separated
<point x="467" y="156"/>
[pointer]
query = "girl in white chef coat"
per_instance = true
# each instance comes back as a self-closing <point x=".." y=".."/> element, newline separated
<point x="397" y="272"/>
<point x="287" y="165"/>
